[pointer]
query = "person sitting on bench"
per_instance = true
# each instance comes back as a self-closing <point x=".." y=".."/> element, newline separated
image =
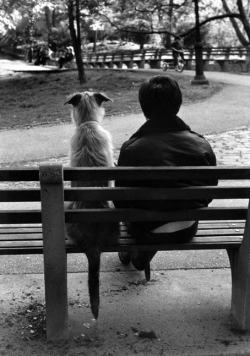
<point x="66" y="57"/>
<point x="163" y="140"/>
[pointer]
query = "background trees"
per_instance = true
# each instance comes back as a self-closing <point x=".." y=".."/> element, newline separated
<point x="223" y="22"/>
<point x="151" y="22"/>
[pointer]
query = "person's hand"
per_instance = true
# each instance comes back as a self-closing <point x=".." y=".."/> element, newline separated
<point x="177" y="50"/>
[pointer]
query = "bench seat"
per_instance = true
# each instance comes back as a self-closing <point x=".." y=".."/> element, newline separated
<point x="20" y="240"/>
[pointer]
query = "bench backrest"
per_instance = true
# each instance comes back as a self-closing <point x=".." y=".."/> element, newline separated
<point x="56" y="190"/>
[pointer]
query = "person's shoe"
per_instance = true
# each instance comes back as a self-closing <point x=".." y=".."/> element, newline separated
<point x="140" y="259"/>
<point x="124" y="257"/>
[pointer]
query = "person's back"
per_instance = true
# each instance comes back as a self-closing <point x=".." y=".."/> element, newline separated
<point x="69" y="55"/>
<point x="177" y="50"/>
<point x="164" y="140"/>
<point x="177" y="44"/>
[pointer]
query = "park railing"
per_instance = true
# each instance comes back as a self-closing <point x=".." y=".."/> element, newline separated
<point x="224" y="59"/>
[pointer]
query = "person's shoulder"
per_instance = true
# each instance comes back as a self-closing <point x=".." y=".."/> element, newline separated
<point x="197" y="134"/>
<point x="128" y="143"/>
<point x="201" y="139"/>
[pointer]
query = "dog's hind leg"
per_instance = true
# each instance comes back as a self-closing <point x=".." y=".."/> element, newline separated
<point x="94" y="259"/>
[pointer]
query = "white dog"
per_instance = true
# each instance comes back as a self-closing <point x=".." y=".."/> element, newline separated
<point x="91" y="146"/>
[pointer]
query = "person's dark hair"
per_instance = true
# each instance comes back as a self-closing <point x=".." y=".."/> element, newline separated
<point x="160" y="96"/>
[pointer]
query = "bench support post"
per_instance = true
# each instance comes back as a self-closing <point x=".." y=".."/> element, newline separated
<point x="55" y="258"/>
<point x="240" y="268"/>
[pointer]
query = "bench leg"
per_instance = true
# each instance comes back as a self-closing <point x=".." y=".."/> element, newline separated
<point x="55" y="258"/>
<point x="240" y="269"/>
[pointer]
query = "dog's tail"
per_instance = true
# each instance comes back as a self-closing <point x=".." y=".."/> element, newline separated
<point x="94" y="259"/>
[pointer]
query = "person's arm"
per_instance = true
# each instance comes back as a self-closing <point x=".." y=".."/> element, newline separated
<point x="123" y="161"/>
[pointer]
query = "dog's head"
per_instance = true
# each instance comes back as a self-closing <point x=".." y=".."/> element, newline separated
<point x="87" y="106"/>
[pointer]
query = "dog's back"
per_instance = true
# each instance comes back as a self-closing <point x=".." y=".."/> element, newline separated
<point x="91" y="146"/>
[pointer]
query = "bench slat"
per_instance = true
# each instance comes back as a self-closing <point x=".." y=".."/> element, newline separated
<point x="221" y="224"/>
<point x="77" y="194"/>
<point x="188" y="193"/>
<point x="144" y="215"/>
<point x="20" y="216"/>
<point x="131" y="173"/>
<point x="218" y="234"/>
<point x="20" y="237"/>
<point x="221" y="232"/>
<point x="20" y="195"/>
<point x="29" y="174"/>
<point x="34" y="216"/>
<point x="156" y="173"/>
<point x="38" y="236"/>
<point x="198" y="243"/>
<point x="19" y="230"/>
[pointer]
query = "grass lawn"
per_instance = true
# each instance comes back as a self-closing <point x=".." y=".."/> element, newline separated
<point x="38" y="98"/>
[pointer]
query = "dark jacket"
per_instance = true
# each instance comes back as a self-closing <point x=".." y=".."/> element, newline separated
<point x="177" y="45"/>
<point x="166" y="143"/>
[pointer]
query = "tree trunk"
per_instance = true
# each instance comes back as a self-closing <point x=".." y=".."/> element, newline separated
<point x="244" y="19"/>
<point x="54" y="18"/>
<point x="238" y="32"/>
<point x="75" y="42"/>
<point x="47" y="13"/>
<point x="95" y="39"/>
<point x="170" y="16"/>
<point x="78" y="23"/>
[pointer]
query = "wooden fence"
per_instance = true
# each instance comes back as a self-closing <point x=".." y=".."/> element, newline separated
<point x="220" y="58"/>
<point x="224" y="57"/>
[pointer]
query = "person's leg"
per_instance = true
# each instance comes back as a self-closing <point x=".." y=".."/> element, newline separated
<point x="182" y="56"/>
<point x="175" y="58"/>
<point x="140" y="259"/>
<point x="180" y="236"/>
<point x="60" y="62"/>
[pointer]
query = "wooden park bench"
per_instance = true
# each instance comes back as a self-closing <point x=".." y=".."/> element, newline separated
<point x="41" y="229"/>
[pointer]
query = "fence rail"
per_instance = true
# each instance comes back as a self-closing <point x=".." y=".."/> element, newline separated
<point x="220" y="58"/>
<point x="224" y="57"/>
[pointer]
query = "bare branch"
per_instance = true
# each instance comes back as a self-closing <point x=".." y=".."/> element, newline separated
<point x="161" y="31"/>
<point x="236" y="27"/>
<point x="213" y="18"/>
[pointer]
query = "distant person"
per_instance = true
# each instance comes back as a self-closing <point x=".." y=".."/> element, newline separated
<point x="163" y="140"/>
<point x="42" y="55"/>
<point x="30" y="53"/>
<point x="66" y="56"/>
<point x="177" y="50"/>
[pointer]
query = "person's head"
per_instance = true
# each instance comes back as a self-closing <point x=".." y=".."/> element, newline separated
<point x="159" y="97"/>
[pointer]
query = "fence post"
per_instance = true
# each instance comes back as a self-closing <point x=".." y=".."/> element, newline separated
<point x="54" y="251"/>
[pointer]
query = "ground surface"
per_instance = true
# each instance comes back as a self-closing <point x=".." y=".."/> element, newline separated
<point x="38" y="98"/>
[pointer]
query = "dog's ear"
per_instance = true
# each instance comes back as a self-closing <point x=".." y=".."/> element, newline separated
<point x="100" y="98"/>
<point x="73" y="99"/>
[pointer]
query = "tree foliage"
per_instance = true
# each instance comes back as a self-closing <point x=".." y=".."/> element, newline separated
<point x="141" y="21"/>
<point x="170" y="17"/>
